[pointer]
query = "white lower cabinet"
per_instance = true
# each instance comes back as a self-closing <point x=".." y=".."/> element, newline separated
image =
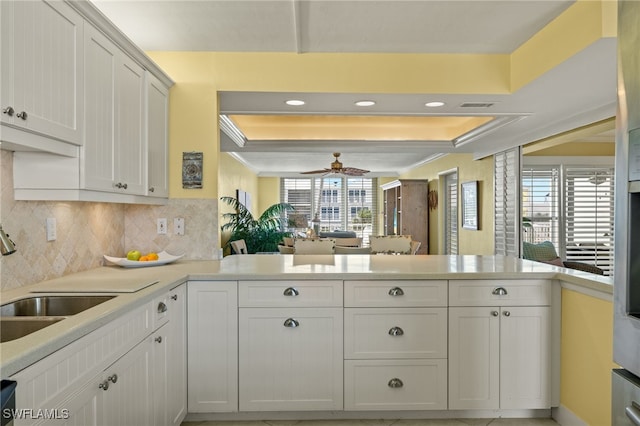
<point x="131" y="371"/>
<point x="175" y="370"/>
<point x="290" y="359"/>
<point x="126" y="385"/>
<point x="169" y="379"/>
<point x="212" y="346"/>
<point x="395" y="345"/>
<point x="500" y="356"/>
<point x="407" y="384"/>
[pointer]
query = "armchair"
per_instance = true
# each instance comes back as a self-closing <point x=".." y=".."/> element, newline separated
<point x="545" y="252"/>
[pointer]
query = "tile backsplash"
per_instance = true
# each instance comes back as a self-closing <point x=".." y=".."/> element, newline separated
<point x="87" y="230"/>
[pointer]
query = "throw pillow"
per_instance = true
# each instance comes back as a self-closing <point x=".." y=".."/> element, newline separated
<point x="542" y="252"/>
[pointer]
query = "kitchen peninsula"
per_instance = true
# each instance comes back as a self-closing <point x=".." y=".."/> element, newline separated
<point x="331" y="336"/>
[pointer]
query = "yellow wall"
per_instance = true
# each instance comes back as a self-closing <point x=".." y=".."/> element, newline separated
<point x="199" y="76"/>
<point x="233" y="175"/>
<point x="469" y="242"/>
<point x="586" y="357"/>
<point x="269" y="188"/>
<point x="584" y="149"/>
<point x="582" y="24"/>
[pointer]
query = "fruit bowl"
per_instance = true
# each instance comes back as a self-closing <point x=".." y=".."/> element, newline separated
<point x="163" y="259"/>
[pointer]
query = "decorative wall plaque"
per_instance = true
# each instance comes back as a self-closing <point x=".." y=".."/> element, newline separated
<point x="191" y="170"/>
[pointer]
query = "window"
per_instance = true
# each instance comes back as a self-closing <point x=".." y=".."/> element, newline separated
<point x="340" y="203"/>
<point x="589" y="200"/>
<point x="357" y="195"/>
<point x="450" y="208"/>
<point x="572" y="207"/>
<point x="541" y="205"/>
<point x="506" y="195"/>
<point x="330" y="213"/>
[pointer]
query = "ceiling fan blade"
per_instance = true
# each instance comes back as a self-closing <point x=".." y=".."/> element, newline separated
<point x="312" y="172"/>
<point x="353" y="171"/>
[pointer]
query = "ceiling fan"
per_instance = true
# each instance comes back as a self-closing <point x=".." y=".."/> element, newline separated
<point x="336" y="168"/>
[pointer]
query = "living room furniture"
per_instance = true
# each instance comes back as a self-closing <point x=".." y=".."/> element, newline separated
<point x="314" y="246"/>
<point x="353" y="250"/>
<point x="406" y="210"/>
<point x="390" y="244"/>
<point x="348" y="242"/>
<point x="239" y="247"/>
<point x="546" y="252"/>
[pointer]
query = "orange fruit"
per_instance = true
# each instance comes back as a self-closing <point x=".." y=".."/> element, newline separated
<point x="144" y="259"/>
<point x="152" y="256"/>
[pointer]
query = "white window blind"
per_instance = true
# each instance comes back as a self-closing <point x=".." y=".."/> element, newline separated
<point x="541" y="205"/>
<point x="340" y="203"/>
<point x="451" y="213"/>
<point x="297" y="192"/>
<point x="589" y="216"/>
<point x="573" y="207"/>
<point x="506" y="196"/>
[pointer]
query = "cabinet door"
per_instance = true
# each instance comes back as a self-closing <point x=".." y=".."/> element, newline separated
<point x="42" y="68"/>
<point x="474" y="363"/>
<point x="212" y="316"/>
<point x="157" y="150"/>
<point x="290" y="359"/>
<point x="176" y="366"/>
<point x="97" y="156"/>
<point x="160" y="383"/>
<point x="128" y="398"/>
<point x="130" y="149"/>
<point x="525" y="357"/>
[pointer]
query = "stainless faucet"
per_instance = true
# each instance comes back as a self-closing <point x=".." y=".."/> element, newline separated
<point x="6" y="245"/>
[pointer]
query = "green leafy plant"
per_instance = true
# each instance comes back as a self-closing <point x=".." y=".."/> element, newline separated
<point x="260" y="235"/>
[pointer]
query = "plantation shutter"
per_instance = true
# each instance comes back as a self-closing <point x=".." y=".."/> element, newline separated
<point x="340" y="203"/>
<point x="506" y="198"/>
<point x="589" y="211"/>
<point x="451" y="213"/>
<point x="541" y="205"/>
<point x="297" y="192"/>
<point x="362" y="202"/>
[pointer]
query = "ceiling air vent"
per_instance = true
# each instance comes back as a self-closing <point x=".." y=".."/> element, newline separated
<point x="476" y="105"/>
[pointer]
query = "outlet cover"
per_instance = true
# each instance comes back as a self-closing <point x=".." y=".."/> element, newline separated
<point x="178" y="226"/>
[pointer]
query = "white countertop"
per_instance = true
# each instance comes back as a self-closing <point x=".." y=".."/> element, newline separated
<point x="136" y="286"/>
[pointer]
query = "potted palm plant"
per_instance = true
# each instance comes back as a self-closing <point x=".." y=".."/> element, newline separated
<point x="262" y="234"/>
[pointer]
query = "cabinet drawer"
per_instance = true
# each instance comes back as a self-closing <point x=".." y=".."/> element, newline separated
<point x="395" y="333"/>
<point x="395" y="384"/>
<point x="499" y="292"/>
<point x="289" y="293"/>
<point x="413" y="293"/>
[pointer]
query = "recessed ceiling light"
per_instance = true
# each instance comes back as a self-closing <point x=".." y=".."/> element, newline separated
<point x="294" y="102"/>
<point x="434" y="104"/>
<point x="365" y="103"/>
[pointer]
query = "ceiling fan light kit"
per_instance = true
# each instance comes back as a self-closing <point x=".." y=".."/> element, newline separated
<point x="338" y="168"/>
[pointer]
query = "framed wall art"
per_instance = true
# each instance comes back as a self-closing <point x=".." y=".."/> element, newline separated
<point x="192" y="170"/>
<point x="469" y="201"/>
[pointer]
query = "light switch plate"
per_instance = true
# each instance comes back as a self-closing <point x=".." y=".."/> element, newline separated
<point x="162" y="226"/>
<point x="52" y="233"/>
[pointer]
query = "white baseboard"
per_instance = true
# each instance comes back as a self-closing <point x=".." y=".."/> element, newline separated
<point x="566" y="417"/>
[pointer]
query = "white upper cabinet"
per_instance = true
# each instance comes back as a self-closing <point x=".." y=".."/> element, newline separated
<point x="42" y="67"/>
<point x="123" y="155"/>
<point x="97" y="157"/>
<point x="130" y="149"/>
<point x="157" y="138"/>
<point x="114" y="154"/>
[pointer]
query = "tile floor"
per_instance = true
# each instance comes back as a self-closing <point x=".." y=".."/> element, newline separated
<point x="411" y="422"/>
